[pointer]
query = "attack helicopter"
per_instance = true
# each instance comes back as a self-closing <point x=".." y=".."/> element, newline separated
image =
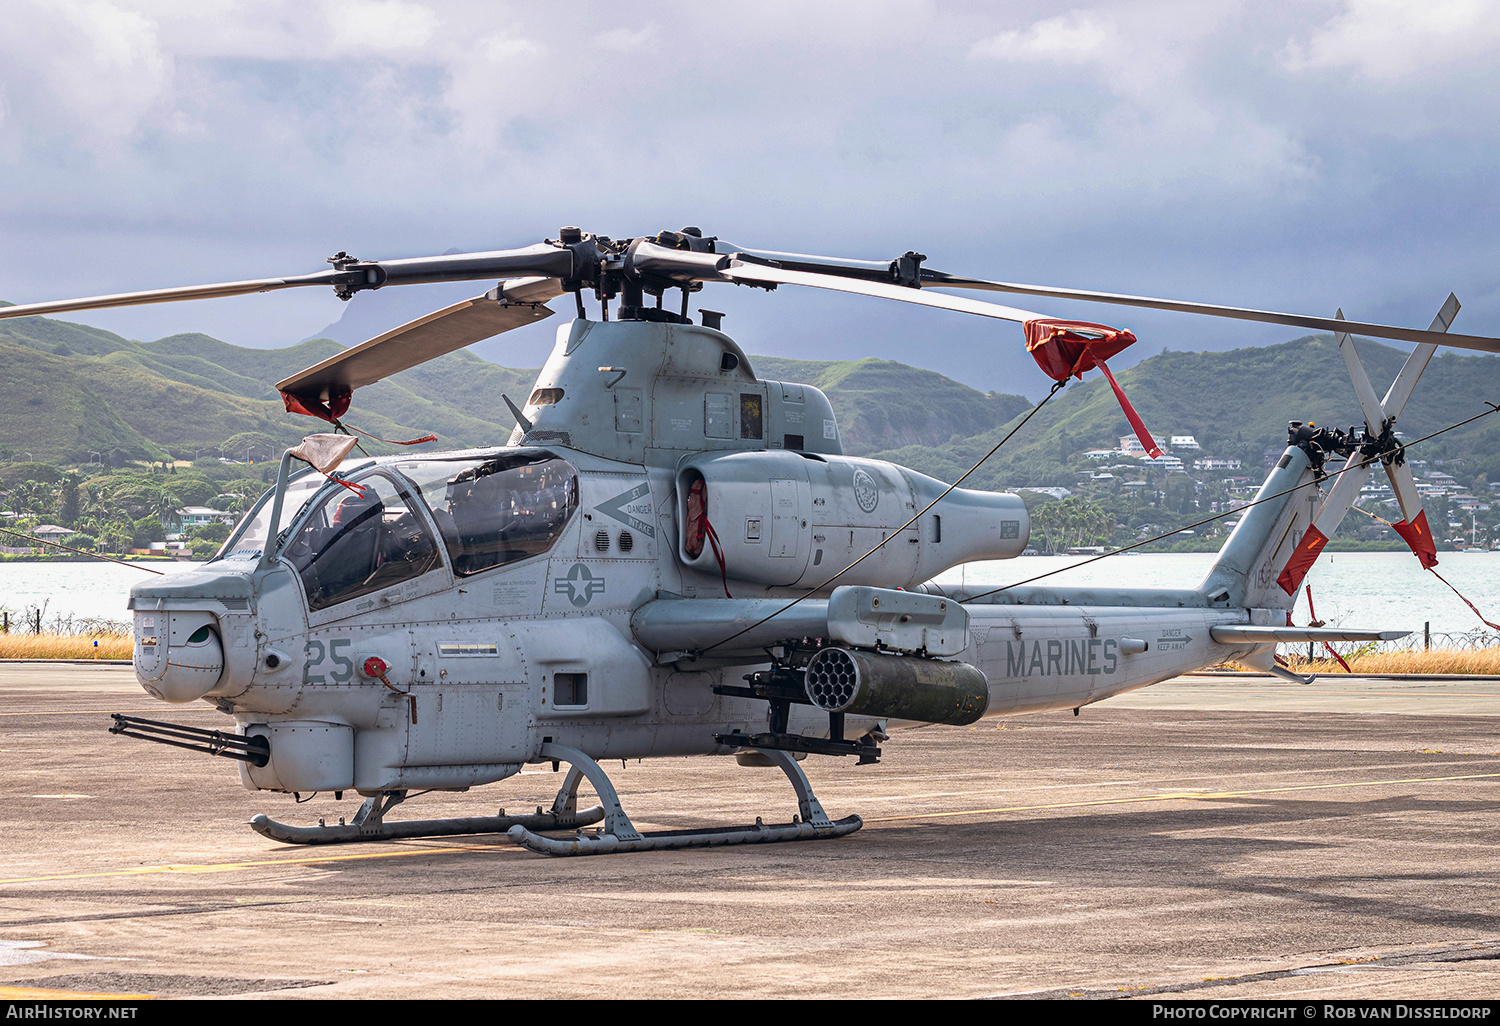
<point x="673" y="556"/>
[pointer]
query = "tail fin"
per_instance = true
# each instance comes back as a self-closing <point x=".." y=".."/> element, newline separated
<point x="1265" y="539"/>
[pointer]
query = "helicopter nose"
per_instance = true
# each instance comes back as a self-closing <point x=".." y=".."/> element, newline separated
<point x="179" y="651"/>
<point x="182" y="663"/>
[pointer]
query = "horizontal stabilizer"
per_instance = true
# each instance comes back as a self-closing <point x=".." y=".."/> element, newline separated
<point x="1232" y="634"/>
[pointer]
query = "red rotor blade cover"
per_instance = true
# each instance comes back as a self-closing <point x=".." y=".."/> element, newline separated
<point x="1418" y="536"/>
<point x="1068" y="348"/>
<point x="313" y="406"/>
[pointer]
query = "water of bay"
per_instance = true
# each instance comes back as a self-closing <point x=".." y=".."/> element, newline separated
<point x="1352" y="589"/>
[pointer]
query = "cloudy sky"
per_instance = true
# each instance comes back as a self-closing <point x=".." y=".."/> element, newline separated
<point x="1292" y="156"/>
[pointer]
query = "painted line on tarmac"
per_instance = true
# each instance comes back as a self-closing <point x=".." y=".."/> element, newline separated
<point x="1426" y="696"/>
<point x="106" y="712"/>
<point x="34" y="994"/>
<point x="233" y="867"/>
<point x="1176" y="797"/>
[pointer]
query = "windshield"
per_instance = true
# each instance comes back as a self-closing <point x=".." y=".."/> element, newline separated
<point x="496" y="510"/>
<point x="249" y="538"/>
<point x="353" y="543"/>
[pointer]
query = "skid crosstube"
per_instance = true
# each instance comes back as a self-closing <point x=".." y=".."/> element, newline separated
<point x="616" y="834"/>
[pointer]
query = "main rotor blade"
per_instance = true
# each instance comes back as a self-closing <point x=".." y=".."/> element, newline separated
<point x="542" y="260"/>
<point x="783" y="276"/>
<point x="174" y="295"/>
<point x="353" y="276"/>
<point x="515" y="304"/>
<point x="877" y="272"/>
<point x="1478" y="342"/>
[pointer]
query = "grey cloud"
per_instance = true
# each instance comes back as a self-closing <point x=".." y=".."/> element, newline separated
<point x="1241" y="153"/>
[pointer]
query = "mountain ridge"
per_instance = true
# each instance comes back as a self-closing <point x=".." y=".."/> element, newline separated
<point x="184" y="393"/>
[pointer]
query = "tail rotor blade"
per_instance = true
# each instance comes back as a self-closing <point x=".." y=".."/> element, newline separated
<point x="1401" y="389"/>
<point x="1405" y="487"/>
<point x="1369" y="405"/>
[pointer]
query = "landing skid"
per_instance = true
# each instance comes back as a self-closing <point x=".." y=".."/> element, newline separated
<point x="369" y="822"/>
<point x="617" y="834"/>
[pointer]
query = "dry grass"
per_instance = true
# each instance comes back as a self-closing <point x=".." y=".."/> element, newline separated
<point x="65" y="646"/>
<point x="1482" y="661"/>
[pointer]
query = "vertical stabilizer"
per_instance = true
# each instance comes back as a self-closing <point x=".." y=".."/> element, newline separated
<point x="1264" y="541"/>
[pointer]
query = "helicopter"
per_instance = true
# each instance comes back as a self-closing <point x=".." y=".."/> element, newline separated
<point x="673" y="556"/>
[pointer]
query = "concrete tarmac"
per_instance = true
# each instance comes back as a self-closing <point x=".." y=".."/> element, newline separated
<point x="1208" y="838"/>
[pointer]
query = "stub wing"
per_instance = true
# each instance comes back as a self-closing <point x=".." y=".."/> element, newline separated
<point x="864" y="617"/>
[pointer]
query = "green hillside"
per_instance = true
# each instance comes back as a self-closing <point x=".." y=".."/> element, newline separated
<point x="71" y="395"/>
<point x="50" y="409"/>
<point x="1235" y="403"/>
<point x="882" y="404"/>
<point x="70" y="392"/>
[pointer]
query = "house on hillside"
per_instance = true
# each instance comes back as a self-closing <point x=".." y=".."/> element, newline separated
<point x="1131" y="445"/>
<point x="202" y="516"/>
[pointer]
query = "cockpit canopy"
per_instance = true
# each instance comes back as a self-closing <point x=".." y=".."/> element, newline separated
<point x="487" y="511"/>
<point x="498" y="509"/>
<point x="353" y="543"/>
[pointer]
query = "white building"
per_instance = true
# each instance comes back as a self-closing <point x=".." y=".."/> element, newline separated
<point x="201" y="516"/>
<point x="1185" y="443"/>
<point x="1131" y="445"/>
<point x="1216" y="463"/>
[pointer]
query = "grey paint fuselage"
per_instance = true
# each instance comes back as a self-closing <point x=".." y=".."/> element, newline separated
<point x="471" y="688"/>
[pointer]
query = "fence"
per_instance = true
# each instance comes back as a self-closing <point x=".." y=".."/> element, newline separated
<point x="34" y="620"/>
<point x="1425" y="640"/>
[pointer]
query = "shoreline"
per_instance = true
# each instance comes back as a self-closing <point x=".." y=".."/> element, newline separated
<point x="11" y="557"/>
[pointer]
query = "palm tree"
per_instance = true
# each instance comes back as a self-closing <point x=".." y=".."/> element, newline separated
<point x="164" y="505"/>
